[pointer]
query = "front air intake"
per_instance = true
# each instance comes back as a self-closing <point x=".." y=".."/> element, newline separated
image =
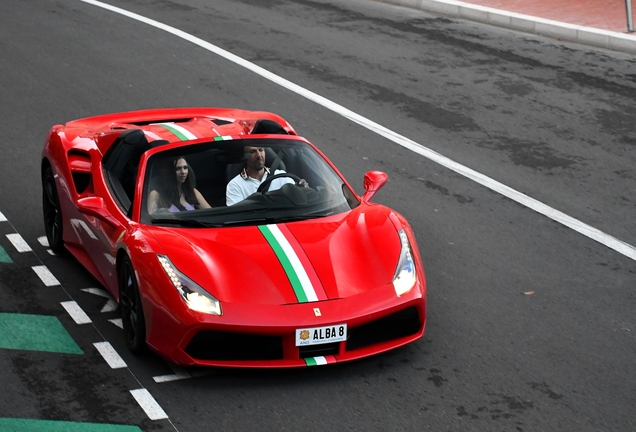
<point x="216" y="345"/>
<point x="400" y="324"/>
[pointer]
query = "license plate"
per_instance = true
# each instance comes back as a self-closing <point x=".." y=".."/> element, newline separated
<point x="321" y="335"/>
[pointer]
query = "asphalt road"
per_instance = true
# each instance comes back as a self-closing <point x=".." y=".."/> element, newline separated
<point x="531" y="324"/>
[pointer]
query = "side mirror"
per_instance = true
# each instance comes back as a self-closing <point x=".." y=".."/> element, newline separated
<point x="373" y="182"/>
<point x="94" y="206"/>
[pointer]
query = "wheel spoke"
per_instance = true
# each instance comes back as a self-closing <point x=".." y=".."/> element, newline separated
<point x="129" y="303"/>
<point x="52" y="213"/>
<point x="50" y="194"/>
<point x="131" y="309"/>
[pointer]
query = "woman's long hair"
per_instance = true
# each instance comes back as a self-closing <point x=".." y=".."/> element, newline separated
<point x="169" y="188"/>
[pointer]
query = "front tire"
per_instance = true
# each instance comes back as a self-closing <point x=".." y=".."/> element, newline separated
<point x="132" y="312"/>
<point x="52" y="212"/>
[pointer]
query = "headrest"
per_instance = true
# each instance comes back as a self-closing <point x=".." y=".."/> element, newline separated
<point x="133" y="137"/>
<point x="265" y="126"/>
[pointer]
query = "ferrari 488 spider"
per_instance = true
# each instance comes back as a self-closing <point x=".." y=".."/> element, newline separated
<point x="298" y="271"/>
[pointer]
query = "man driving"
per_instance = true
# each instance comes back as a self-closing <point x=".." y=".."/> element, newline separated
<point x="251" y="177"/>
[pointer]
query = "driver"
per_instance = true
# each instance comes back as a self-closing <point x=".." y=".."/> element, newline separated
<point x="254" y="173"/>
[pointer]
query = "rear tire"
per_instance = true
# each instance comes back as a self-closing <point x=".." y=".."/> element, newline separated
<point x="132" y="312"/>
<point x="52" y="212"/>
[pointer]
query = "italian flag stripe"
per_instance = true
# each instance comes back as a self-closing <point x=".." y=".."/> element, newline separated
<point x="182" y="133"/>
<point x="319" y="361"/>
<point x="304" y="261"/>
<point x="152" y="135"/>
<point x="296" y="274"/>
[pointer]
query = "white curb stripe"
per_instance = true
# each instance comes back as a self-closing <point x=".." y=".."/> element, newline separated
<point x="578" y="226"/>
<point x="98" y="292"/>
<point x="76" y="312"/>
<point x="19" y="243"/>
<point x="117" y="321"/>
<point x="160" y="379"/>
<point x="45" y="275"/>
<point x="149" y="404"/>
<point x="110" y="355"/>
<point x="179" y="374"/>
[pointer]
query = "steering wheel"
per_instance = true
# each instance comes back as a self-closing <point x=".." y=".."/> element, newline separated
<point x="264" y="187"/>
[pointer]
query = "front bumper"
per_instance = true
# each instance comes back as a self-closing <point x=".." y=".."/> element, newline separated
<point x="262" y="336"/>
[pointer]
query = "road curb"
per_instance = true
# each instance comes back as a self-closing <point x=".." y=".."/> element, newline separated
<point x="525" y="23"/>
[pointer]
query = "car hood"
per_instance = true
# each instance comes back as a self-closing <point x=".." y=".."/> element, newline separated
<point x="332" y="257"/>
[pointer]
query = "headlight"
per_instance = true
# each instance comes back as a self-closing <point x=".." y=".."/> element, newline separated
<point x="194" y="296"/>
<point x="405" y="276"/>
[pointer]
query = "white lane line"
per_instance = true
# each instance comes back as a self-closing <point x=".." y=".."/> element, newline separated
<point x="2" y="218"/>
<point x="587" y="230"/>
<point x="181" y="374"/>
<point x="76" y="312"/>
<point x="98" y="292"/>
<point x="110" y="305"/>
<point x="110" y="355"/>
<point x="43" y="241"/>
<point x="19" y="243"/>
<point x="118" y="322"/>
<point x="149" y="404"/>
<point x="45" y="275"/>
<point x="174" y="377"/>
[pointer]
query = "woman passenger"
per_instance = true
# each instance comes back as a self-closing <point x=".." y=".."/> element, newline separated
<point x="177" y="193"/>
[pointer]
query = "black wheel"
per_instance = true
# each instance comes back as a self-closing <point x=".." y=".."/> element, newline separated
<point x="52" y="212"/>
<point x="264" y="187"/>
<point x="132" y="312"/>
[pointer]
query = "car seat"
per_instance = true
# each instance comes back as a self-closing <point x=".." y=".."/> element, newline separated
<point x="263" y="126"/>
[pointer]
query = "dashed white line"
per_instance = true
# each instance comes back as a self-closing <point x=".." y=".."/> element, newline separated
<point x="45" y="275"/>
<point x="118" y="322"/>
<point x="149" y="404"/>
<point x="76" y="312"/>
<point x="578" y="226"/>
<point x="98" y="292"/>
<point x="110" y="355"/>
<point x="110" y="305"/>
<point x="181" y="373"/>
<point x="43" y="241"/>
<point x="19" y="243"/>
<point x="168" y="378"/>
<point x="2" y="218"/>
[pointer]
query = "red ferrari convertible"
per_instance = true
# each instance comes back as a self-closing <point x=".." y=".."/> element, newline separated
<point x="229" y="240"/>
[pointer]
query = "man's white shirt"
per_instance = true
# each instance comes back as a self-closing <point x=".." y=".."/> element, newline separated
<point x="242" y="186"/>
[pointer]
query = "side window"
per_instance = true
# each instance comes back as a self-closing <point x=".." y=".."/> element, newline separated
<point x="121" y="164"/>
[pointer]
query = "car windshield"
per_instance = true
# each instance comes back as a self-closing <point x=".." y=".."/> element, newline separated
<point x="208" y="184"/>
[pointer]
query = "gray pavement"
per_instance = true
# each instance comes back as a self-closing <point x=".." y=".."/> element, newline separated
<point x="558" y="30"/>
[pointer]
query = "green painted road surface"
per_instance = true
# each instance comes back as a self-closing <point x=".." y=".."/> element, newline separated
<point x="29" y="425"/>
<point x="4" y="256"/>
<point x="35" y="333"/>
